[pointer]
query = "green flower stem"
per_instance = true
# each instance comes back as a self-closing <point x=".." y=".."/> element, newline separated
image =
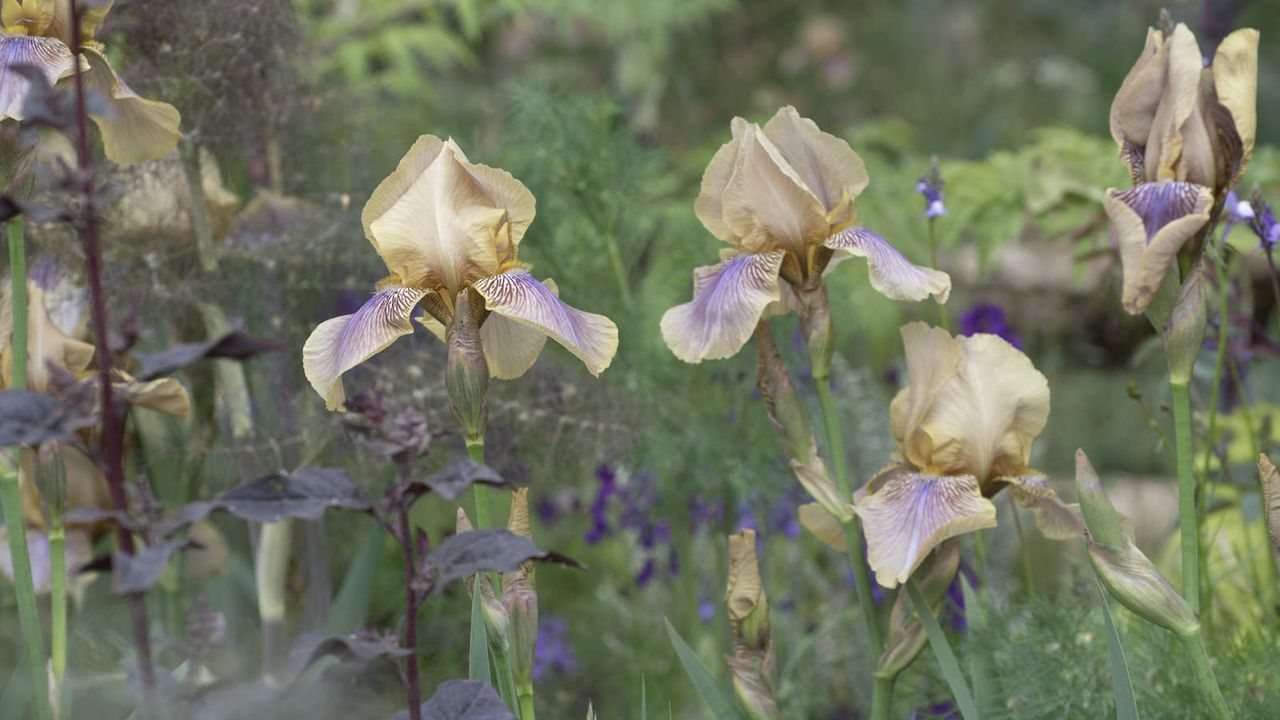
<point x="1211" y="694"/>
<point x="484" y="519"/>
<point x="942" y="650"/>
<point x="852" y="529"/>
<point x="1218" y="360"/>
<point x="1187" y="516"/>
<point x="619" y="270"/>
<point x="943" y="320"/>
<point x="58" y="604"/>
<point x="271" y="573"/>
<point x="1027" y="575"/>
<point x="882" y="698"/>
<point x="526" y="705"/>
<point x="10" y="494"/>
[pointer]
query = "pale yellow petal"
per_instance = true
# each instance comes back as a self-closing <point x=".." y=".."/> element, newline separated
<point x="137" y="129"/>
<point x="766" y="204"/>
<point x="165" y="395"/>
<point x="414" y="163"/>
<point x="933" y="357"/>
<point x="1134" y="108"/>
<point x="829" y="168"/>
<point x="823" y="525"/>
<point x="1152" y="222"/>
<point x="1235" y="79"/>
<point x="709" y="206"/>
<point x="91" y="17"/>
<point x="1056" y="519"/>
<point x="1178" y="98"/>
<point x="510" y="347"/>
<point x="728" y="300"/>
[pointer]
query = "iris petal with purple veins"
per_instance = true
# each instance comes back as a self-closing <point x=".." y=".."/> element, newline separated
<point x="728" y="300"/>
<point x="51" y="57"/>
<point x="1159" y="204"/>
<point x="892" y="274"/>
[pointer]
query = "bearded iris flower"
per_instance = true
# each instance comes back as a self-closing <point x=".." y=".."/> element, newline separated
<point x="39" y="33"/>
<point x="1186" y="132"/>
<point x="449" y="231"/>
<point x="964" y="427"/>
<point x="782" y="197"/>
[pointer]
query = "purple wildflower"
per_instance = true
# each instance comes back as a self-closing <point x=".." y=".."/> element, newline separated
<point x="954" y="608"/>
<point x="706" y="610"/>
<point x="985" y="317"/>
<point x="600" y="505"/>
<point x="930" y="187"/>
<point x="646" y="572"/>
<point x="1264" y="223"/>
<point x="552" y="653"/>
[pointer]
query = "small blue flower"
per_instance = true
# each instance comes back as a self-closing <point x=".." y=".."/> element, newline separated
<point x="931" y="188"/>
<point x="1264" y="223"/>
<point x="706" y="610"/>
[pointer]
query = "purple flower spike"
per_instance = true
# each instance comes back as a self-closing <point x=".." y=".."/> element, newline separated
<point x="931" y="188"/>
<point x="989" y="318"/>
<point x="1264" y="223"/>
<point x="552" y="653"/>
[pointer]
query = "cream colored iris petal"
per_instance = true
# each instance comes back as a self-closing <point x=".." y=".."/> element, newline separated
<point x="441" y="228"/>
<point x="1178" y="98"/>
<point x="504" y="191"/>
<point x="342" y="343"/>
<point x="827" y="165"/>
<point x="86" y="486"/>
<point x="1152" y="222"/>
<point x="165" y="395"/>
<point x="728" y="300"/>
<point x="433" y="326"/>
<point x="1134" y="108"/>
<point x="1235" y="79"/>
<point x="52" y="57"/>
<point x="766" y="205"/>
<point x="1056" y="519"/>
<point x="823" y="525"/>
<point x="137" y="129"/>
<point x="414" y="163"/>
<point x="511" y="347"/>
<point x="985" y="418"/>
<point x="912" y="514"/>
<point x="518" y="296"/>
<point x="892" y="274"/>
<point x="91" y="17"/>
<point x="709" y="206"/>
<point x="933" y="357"/>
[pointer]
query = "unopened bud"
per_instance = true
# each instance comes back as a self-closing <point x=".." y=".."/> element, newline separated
<point x="906" y="636"/>
<point x="815" y="320"/>
<point x="467" y="373"/>
<point x="744" y="596"/>
<point x="520" y="598"/>
<point x="1184" y="332"/>
<point x="752" y="672"/>
<point x="780" y="397"/>
<point x="1270" y="479"/>
<point x="1133" y="579"/>
<point x="1103" y="523"/>
<point x="496" y="620"/>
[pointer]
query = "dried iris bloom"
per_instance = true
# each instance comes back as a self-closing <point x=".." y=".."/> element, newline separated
<point x="1186" y="132"/>
<point x="444" y="226"/>
<point x="38" y="33"/>
<point x="782" y="197"/>
<point x="964" y="426"/>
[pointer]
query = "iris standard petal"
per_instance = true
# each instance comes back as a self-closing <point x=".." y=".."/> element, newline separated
<point x="892" y="274"/>
<point x="137" y="129"/>
<point x="728" y="300"/>
<point x="1152" y="222"/>
<point x="518" y="296"/>
<point x="768" y="206"/>
<point x="933" y="357"/>
<point x="1056" y="519"/>
<point x="709" y="205"/>
<point x="1235" y="80"/>
<point x="828" y="166"/>
<point x="442" y="228"/>
<point x="1179" y="97"/>
<point x="504" y="191"/>
<point x="52" y="57"/>
<point x="414" y="163"/>
<point x="340" y="344"/>
<point x="91" y="17"/>
<point x="1134" y="108"/>
<point x="912" y="514"/>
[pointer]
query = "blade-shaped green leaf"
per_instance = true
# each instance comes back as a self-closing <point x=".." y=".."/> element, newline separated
<point x="976" y="617"/>
<point x="478" y="667"/>
<point x="1121" y="683"/>
<point x="942" y="651"/>
<point x="709" y="689"/>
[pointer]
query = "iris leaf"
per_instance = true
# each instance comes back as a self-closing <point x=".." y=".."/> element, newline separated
<point x="942" y="650"/>
<point x="1121" y="683"/>
<point x="722" y="708"/>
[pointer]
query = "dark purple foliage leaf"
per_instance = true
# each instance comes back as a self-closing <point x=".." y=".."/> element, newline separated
<point x="468" y="553"/>
<point x="137" y="573"/>
<point x="304" y="494"/>
<point x="456" y="477"/>
<point x="235" y="345"/>
<point x="462" y="700"/>
<point x="29" y="418"/>
<point x="350" y="648"/>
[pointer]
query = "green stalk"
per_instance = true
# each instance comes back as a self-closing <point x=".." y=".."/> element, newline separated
<point x="58" y="603"/>
<point x="852" y="529"/>
<point x="271" y="573"/>
<point x="526" y="705"/>
<point x="1218" y="361"/>
<point x="943" y="321"/>
<point x="484" y="519"/>
<point x="1211" y="694"/>
<point x="619" y="270"/>
<point x="882" y="697"/>
<point x="11" y="496"/>
<point x="1187" y="516"/>
<point x="1027" y="575"/>
<point x="942" y="650"/>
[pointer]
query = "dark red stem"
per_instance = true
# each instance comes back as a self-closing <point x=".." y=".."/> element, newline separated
<point x="112" y="427"/>
<point x="410" y="620"/>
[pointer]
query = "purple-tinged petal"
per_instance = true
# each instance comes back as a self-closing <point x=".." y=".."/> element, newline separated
<point x="342" y="343"/>
<point x="1056" y="519"/>
<point x="51" y="56"/>
<point x="1152" y="222"/>
<point x="728" y="300"/>
<point x="892" y="274"/>
<point x="518" y="296"/>
<point x="914" y="512"/>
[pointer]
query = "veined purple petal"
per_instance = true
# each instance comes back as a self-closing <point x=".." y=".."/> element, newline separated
<point x="517" y="295"/>
<point x="1152" y="222"/>
<point x="51" y="56"/>
<point x="728" y="300"/>
<point x="340" y="344"/>
<point x="1159" y="204"/>
<point x="892" y="274"/>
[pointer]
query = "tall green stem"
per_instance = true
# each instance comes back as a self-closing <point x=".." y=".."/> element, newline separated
<point x="882" y="698"/>
<point x="942" y="650"/>
<point x="1027" y="575"/>
<point x="1210" y="693"/>
<point x="1187" y="516"/>
<point x="526" y="705"/>
<point x="58" y="605"/>
<point x="11" y="495"/>
<point x="852" y="529"/>
<point x="943" y="320"/>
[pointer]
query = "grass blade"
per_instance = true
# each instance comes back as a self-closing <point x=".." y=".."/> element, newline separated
<point x="942" y="650"/>
<point x="644" y="700"/>
<point x="1121" y="683"/>
<point x="977" y="620"/>
<point x="721" y="706"/>
<point x="478" y="665"/>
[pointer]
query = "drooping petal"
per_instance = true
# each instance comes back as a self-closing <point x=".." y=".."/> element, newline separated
<point x="829" y="168"/>
<point x="823" y="525"/>
<point x="1152" y="222"/>
<point x="1056" y="519"/>
<point x="338" y="345"/>
<point x="442" y="229"/>
<point x="85" y="486"/>
<point x="165" y="395"/>
<point x="933" y="357"/>
<point x="137" y="129"/>
<point x="511" y="347"/>
<point x="1179" y="96"/>
<point x="1235" y="79"/>
<point x="52" y="57"/>
<point x="728" y="300"/>
<point x="516" y="295"/>
<point x="767" y="205"/>
<point x="912" y="514"/>
<point x="892" y="274"/>
<point x="709" y="206"/>
<point x="983" y="420"/>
